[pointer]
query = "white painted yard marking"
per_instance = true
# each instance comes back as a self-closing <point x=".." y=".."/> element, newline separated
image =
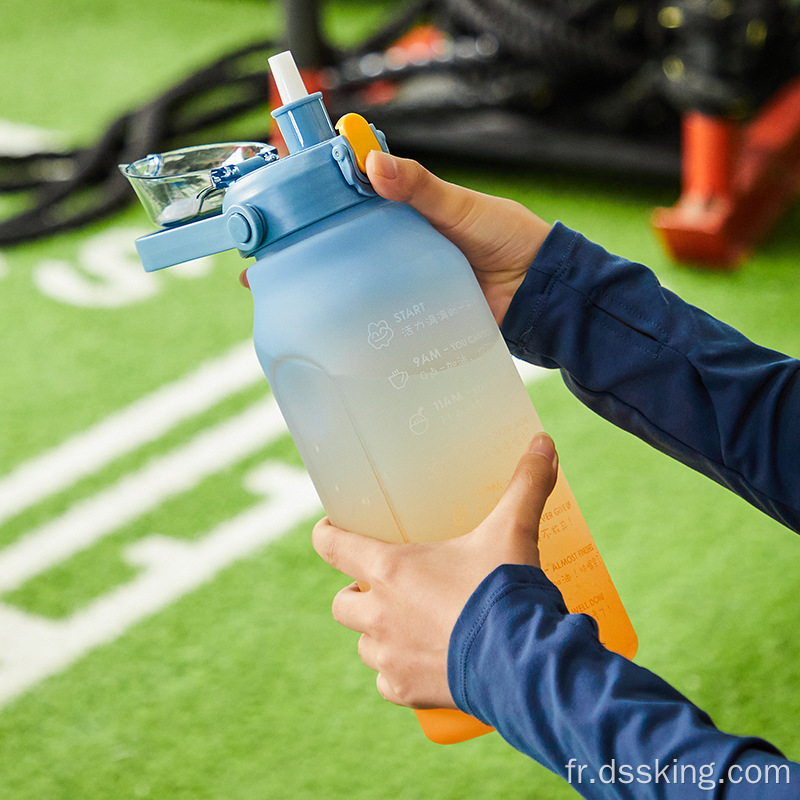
<point x="108" y="273"/>
<point x="20" y="139"/>
<point x="33" y="648"/>
<point x="91" y="519"/>
<point x="143" y="421"/>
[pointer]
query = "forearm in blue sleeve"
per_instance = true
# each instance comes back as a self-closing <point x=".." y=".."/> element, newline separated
<point x="519" y="662"/>
<point x="641" y="357"/>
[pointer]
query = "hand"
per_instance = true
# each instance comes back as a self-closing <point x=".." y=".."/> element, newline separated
<point x="499" y="237"/>
<point x="417" y="591"/>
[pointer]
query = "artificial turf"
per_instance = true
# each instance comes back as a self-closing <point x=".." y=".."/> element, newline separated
<point x="244" y="687"/>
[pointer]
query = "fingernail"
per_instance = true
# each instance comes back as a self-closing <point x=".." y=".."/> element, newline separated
<point x="543" y="445"/>
<point x="382" y="164"/>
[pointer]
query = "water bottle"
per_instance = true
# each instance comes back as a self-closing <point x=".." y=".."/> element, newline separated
<point x="385" y="360"/>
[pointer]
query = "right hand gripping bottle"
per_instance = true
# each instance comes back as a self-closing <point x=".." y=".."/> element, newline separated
<point x="386" y="362"/>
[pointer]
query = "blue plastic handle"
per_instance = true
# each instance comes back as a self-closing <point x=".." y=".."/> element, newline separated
<point x="175" y="245"/>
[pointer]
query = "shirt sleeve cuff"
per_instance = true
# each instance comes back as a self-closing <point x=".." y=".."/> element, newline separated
<point x="494" y="588"/>
<point x="533" y="295"/>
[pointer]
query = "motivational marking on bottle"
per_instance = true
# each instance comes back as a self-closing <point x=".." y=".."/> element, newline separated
<point x="418" y="423"/>
<point x="398" y="379"/>
<point x="408" y="312"/>
<point x="427" y="358"/>
<point x="379" y="334"/>
<point x="467" y="341"/>
<point x="573" y="566"/>
<point x="554" y="521"/>
<point x="443" y="366"/>
<point x="417" y="317"/>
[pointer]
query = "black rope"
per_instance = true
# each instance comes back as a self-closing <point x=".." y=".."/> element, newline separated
<point x="74" y="188"/>
<point x="563" y="66"/>
<point x="538" y="32"/>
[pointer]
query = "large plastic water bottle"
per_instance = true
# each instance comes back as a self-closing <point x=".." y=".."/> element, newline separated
<point x="381" y="351"/>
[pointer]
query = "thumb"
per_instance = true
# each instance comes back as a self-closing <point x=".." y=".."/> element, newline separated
<point x="520" y="508"/>
<point x="445" y="205"/>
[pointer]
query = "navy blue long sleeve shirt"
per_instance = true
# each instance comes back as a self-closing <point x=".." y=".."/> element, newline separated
<point x="699" y="391"/>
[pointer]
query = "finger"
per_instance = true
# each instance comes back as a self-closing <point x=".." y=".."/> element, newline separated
<point x="386" y="691"/>
<point x="533" y="480"/>
<point x="500" y="237"/>
<point x="445" y="205"/>
<point x="348" y="609"/>
<point x="368" y="651"/>
<point x="357" y="556"/>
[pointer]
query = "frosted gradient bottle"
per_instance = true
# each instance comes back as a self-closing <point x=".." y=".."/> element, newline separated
<point x="404" y="402"/>
<point x="381" y="351"/>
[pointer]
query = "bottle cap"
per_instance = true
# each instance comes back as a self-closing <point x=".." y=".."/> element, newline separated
<point x="256" y="207"/>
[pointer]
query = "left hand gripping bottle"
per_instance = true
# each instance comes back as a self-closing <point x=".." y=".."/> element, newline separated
<point x="377" y="342"/>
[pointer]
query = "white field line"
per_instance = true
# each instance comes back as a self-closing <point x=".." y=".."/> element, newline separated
<point x="33" y="648"/>
<point x="20" y="139"/>
<point x="91" y="519"/>
<point x="126" y="430"/>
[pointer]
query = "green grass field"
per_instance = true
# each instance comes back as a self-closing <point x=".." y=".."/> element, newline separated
<point x="164" y="622"/>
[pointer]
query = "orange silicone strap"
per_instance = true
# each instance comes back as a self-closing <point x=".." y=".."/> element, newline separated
<point x="448" y="726"/>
